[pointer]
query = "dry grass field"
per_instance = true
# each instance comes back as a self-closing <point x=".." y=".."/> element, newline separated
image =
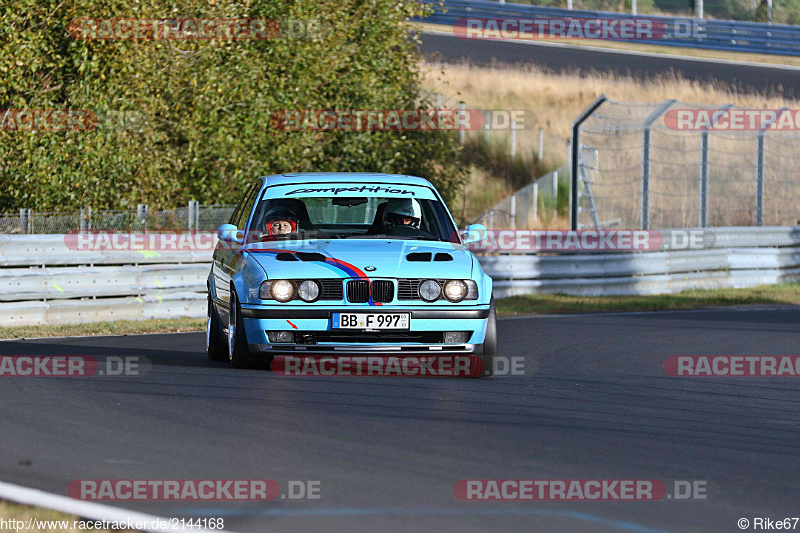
<point x="556" y="99"/>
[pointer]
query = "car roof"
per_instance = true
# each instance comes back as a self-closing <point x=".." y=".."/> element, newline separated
<point x="339" y="177"/>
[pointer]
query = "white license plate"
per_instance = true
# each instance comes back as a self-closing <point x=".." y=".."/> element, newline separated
<point x="370" y="320"/>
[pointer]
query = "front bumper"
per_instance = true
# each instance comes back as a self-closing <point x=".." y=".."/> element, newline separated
<point x="314" y="334"/>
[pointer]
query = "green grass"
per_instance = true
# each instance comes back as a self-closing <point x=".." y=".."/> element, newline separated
<point x="121" y="327"/>
<point x="784" y="294"/>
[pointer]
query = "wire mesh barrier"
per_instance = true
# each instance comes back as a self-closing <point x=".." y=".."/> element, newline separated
<point x="677" y="165"/>
<point x="536" y="205"/>
<point x="194" y="216"/>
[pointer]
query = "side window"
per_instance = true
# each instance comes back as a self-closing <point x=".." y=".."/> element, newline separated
<point x="247" y="205"/>
<point x="238" y="210"/>
<point x="242" y="211"/>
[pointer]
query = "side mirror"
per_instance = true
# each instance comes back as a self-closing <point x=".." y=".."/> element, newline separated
<point x="230" y="233"/>
<point x="474" y="233"/>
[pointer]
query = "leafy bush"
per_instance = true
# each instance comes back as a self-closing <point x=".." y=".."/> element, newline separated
<point x="189" y="119"/>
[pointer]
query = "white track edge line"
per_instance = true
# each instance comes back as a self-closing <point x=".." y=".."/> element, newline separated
<point x="90" y="510"/>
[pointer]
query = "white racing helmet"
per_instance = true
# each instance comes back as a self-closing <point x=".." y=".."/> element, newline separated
<point x="402" y="212"/>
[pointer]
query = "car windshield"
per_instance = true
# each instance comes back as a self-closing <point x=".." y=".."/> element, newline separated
<point x="338" y="217"/>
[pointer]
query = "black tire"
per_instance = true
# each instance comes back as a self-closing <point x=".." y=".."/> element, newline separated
<point x="489" y="344"/>
<point x="217" y="350"/>
<point x="238" y="353"/>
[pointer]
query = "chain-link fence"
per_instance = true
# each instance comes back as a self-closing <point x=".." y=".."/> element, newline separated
<point x="193" y="216"/>
<point x="676" y="165"/>
<point x="542" y="203"/>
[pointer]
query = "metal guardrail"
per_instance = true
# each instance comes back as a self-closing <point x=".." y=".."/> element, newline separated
<point x="43" y="281"/>
<point x="735" y="258"/>
<point x="730" y="35"/>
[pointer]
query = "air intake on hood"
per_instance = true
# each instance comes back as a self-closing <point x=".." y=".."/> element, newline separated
<point x="443" y="257"/>
<point x="418" y="256"/>
<point x="283" y="256"/>
<point x="310" y="256"/>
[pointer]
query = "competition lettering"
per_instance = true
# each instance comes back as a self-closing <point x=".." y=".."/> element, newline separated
<point x="363" y="188"/>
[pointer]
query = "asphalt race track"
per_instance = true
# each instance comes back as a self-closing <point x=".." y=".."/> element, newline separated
<point x="594" y="403"/>
<point x="745" y="78"/>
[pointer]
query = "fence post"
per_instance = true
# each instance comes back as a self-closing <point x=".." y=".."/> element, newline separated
<point x="555" y="193"/>
<point x="704" y="169"/>
<point x="487" y="115"/>
<point x="513" y="149"/>
<point x="704" y="179"/>
<point x="698" y="8"/>
<point x="633" y="7"/>
<point x="645" y="222"/>
<point x="760" y="166"/>
<point x="541" y="144"/>
<point x="462" y="115"/>
<point x="24" y="220"/>
<point x="535" y="203"/>
<point x="191" y="214"/>
<point x="141" y="215"/>
<point x="491" y="219"/>
<point x="571" y="192"/>
<point x="513" y="211"/>
<point x="574" y="154"/>
<point x="760" y="179"/>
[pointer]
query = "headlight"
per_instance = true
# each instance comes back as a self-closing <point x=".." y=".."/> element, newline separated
<point x="282" y="290"/>
<point x="308" y="291"/>
<point x="455" y="290"/>
<point x="429" y="290"/>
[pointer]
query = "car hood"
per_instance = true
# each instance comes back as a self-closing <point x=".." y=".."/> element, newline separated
<point x="390" y="258"/>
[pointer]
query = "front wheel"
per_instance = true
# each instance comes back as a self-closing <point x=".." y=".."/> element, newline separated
<point x="215" y="346"/>
<point x="237" y="340"/>
<point x="489" y="343"/>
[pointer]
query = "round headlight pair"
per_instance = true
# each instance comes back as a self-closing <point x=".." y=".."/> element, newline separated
<point x="454" y="290"/>
<point x="284" y="290"/>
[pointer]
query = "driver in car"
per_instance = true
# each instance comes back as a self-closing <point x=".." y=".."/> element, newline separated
<point x="281" y="222"/>
<point x="402" y="212"/>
